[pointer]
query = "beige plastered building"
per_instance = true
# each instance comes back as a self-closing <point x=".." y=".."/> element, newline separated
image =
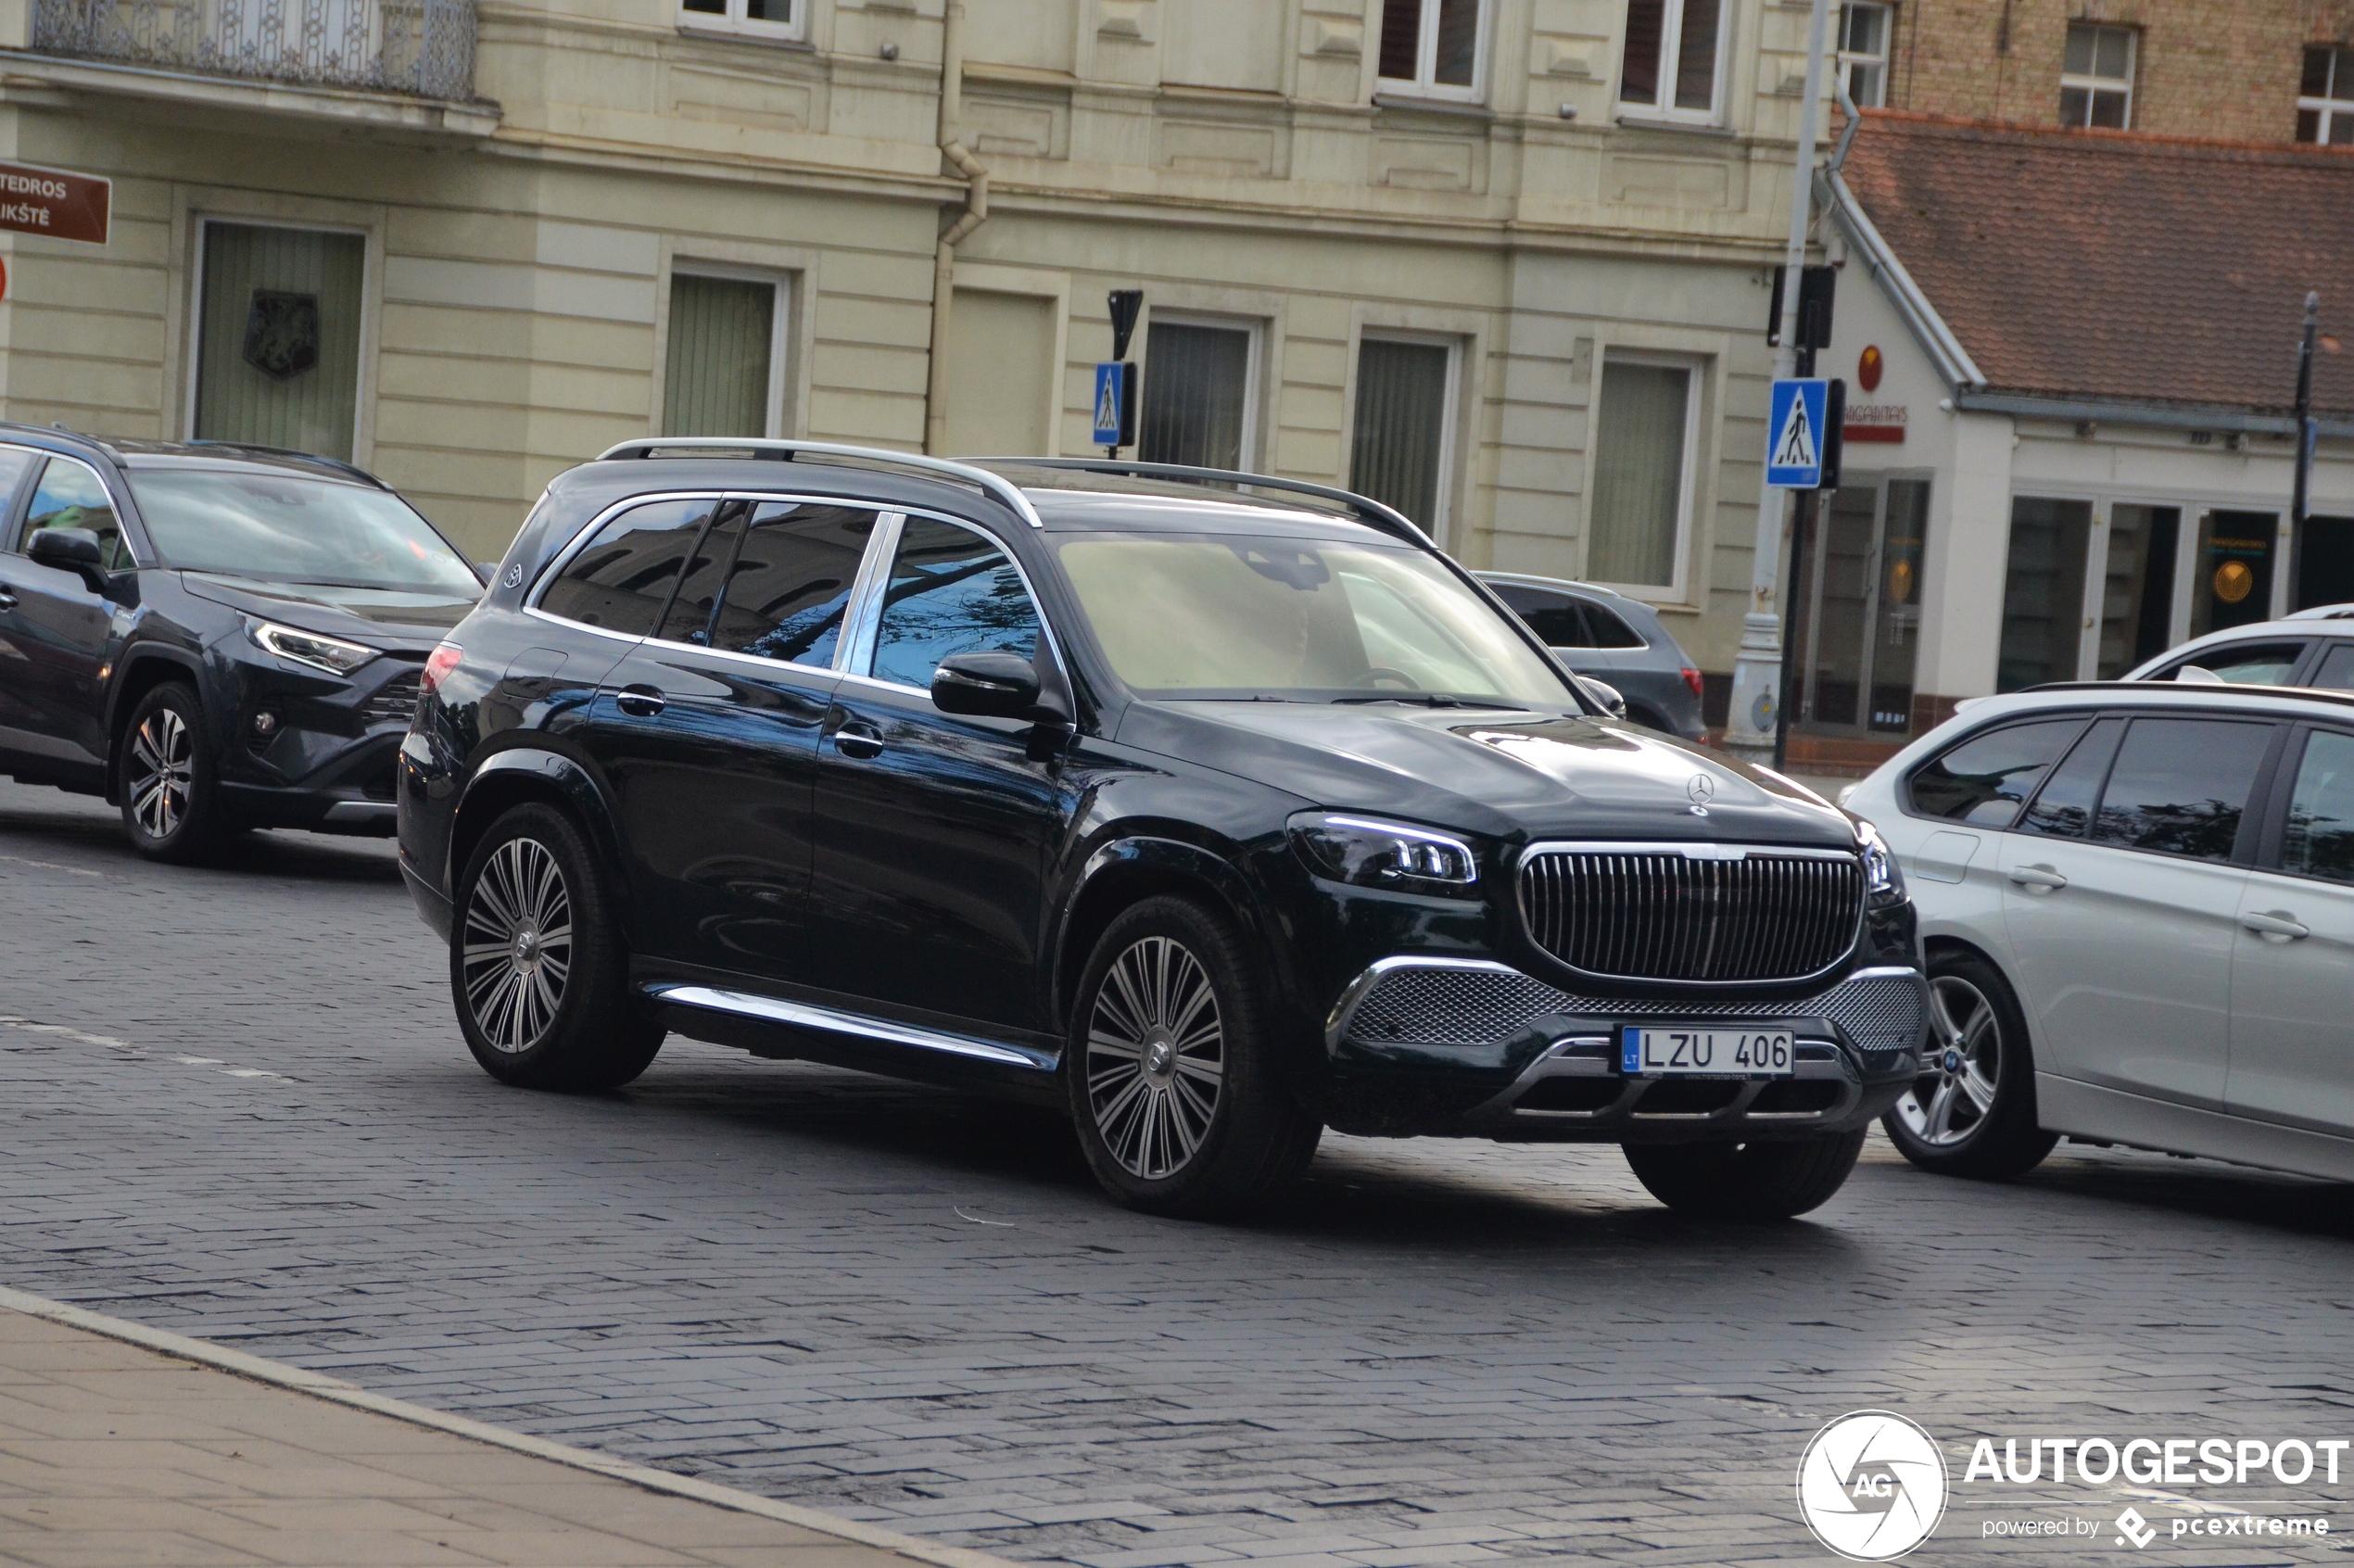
<point x="1486" y="256"/>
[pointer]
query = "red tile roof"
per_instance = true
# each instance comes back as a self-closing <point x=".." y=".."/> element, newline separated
<point x="2118" y="266"/>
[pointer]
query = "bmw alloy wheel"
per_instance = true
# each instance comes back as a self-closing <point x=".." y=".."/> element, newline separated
<point x="1156" y="1058"/>
<point x="518" y="944"/>
<point x="163" y="771"/>
<point x="1960" y="1069"/>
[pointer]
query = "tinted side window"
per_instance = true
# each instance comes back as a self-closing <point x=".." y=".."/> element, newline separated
<point x="72" y="496"/>
<point x="1986" y="778"/>
<point x="2319" y="838"/>
<point x="622" y="578"/>
<point x="2064" y="806"/>
<point x="1554" y="617"/>
<point x="2181" y="786"/>
<point x="2336" y="672"/>
<point x="791" y="580"/>
<point x="15" y="463"/>
<point x="689" y="619"/>
<point x="951" y="591"/>
<point x="2248" y="663"/>
<point x="1609" y="629"/>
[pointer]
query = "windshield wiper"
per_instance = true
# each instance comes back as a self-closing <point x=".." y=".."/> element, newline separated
<point x="1431" y="700"/>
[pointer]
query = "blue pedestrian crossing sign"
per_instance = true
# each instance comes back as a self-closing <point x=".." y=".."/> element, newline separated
<point x="1115" y="418"/>
<point x="1796" y="428"/>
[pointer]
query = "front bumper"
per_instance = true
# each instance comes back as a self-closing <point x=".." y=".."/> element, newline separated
<point x="1475" y="1047"/>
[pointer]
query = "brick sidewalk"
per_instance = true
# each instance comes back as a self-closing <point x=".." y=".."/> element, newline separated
<point x="116" y="1452"/>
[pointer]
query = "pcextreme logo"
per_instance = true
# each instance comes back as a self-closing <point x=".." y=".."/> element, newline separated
<point x="1871" y="1486"/>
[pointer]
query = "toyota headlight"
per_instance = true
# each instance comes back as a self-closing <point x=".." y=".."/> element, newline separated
<point x="329" y="653"/>
<point x="1883" y="876"/>
<point x="1374" y="854"/>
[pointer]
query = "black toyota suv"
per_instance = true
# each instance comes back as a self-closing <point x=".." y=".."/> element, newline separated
<point x="1217" y="808"/>
<point x="211" y="636"/>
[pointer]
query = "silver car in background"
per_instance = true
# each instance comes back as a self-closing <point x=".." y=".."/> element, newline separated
<point x="1615" y="640"/>
<point x="2137" y="908"/>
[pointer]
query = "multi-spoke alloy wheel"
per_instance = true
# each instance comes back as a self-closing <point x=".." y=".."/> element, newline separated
<point x="161" y="773"/>
<point x="518" y="944"/>
<point x="1156" y="1058"/>
<point x="1971" y="1112"/>
<point x="1961" y="1066"/>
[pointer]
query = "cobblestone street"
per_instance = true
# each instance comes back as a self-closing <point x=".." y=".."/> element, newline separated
<point x="233" y="1105"/>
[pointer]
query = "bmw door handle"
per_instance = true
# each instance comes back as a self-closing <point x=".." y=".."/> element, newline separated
<point x="2037" y="878"/>
<point x="8" y="599"/>
<point x="638" y="701"/>
<point x="860" y="742"/>
<point x="2277" y="927"/>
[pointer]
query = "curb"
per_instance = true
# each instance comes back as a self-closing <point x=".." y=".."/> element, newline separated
<point x="321" y="1386"/>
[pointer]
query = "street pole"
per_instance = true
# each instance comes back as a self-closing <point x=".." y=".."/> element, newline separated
<point x="1757" y="668"/>
<point x="2305" y="434"/>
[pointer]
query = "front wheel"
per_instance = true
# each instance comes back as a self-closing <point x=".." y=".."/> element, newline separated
<point x="1972" y="1110"/>
<point x="538" y="966"/>
<point x="1777" y="1181"/>
<point x="1170" y="1067"/>
<point x="164" y="777"/>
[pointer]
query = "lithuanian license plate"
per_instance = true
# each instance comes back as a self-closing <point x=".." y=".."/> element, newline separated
<point x="1681" y="1051"/>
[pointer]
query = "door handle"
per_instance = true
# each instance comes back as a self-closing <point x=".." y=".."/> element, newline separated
<point x="2037" y="878"/>
<point x="2277" y="927"/>
<point x="8" y="599"/>
<point x="860" y="742"/>
<point x="638" y="701"/>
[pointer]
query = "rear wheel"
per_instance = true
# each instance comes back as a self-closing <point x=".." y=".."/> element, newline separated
<point x="1774" y="1180"/>
<point x="1170" y="1067"/>
<point x="1972" y="1110"/>
<point x="164" y="777"/>
<point x="538" y="967"/>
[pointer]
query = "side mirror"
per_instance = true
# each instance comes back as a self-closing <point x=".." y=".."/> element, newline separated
<point x="1604" y="694"/>
<point x="70" y="549"/>
<point x="985" y="685"/>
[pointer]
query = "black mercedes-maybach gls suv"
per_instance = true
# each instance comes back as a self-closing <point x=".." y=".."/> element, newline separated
<point x="1217" y="808"/>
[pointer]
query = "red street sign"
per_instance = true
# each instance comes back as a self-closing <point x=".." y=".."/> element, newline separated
<point x="52" y="202"/>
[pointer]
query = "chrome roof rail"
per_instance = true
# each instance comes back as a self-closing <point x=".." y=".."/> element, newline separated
<point x="1386" y="519"/>
<point x="995" y="486"/>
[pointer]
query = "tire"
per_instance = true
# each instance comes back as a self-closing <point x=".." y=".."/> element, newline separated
<point x="1753" y="1182"/>
<point x="1978" y="1060"/>
<point x="164" y="778"/>
<point x="537" y="968"/>
<point x="1172" y="1071"/>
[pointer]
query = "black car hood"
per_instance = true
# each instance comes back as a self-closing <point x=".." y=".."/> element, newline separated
<point x="1508" y="774"/>
<point x="391" y="619"/>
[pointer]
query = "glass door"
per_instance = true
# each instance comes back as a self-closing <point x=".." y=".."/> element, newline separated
<point x="1859" y="599"/>
<point x="2137" y="593"/>
<point x="2232" y="580"/>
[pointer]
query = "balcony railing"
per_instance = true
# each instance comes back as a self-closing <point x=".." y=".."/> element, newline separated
<point x="421" y="47"/>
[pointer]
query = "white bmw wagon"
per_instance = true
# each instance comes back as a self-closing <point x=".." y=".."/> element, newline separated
<point x="2137" y="907"/>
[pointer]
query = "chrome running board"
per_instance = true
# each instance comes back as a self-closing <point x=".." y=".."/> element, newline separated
<point x="829" y="1021"/>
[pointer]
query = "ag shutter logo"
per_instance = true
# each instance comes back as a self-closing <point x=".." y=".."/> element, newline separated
<point x="1871" y="1486"/>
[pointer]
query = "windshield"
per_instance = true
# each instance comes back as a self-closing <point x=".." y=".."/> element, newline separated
<point x="1304" y="620"/>
<point x="288" y="528"/>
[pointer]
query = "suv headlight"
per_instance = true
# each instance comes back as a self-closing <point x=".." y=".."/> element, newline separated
<point x="329" y="653"/>
<point x="1374" y="854"/>
<point x="1883" y="876"/>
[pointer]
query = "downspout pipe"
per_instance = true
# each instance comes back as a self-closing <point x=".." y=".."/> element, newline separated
<point x="975" y="173"/>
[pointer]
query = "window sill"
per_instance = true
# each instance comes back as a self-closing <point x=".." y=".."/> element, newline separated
<point x="1681" y="127"/>
<point x="1416" y="103"/>
<point x="722" y="34"/>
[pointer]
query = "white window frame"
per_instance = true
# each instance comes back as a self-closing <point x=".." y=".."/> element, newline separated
<point x="1850" y="59"/>
<point x="2332" y="105"/>
<point x="1662" y="109"/>
<point x="1677" y="588"/>
<point x="780" y="330"/>
<point x="1251" y="326"/>
<point x="734" y="20"/>
<point x="361" y="423"/>
<point x="1443" y="512"/>
<point x="2106" y="84"/>
<point x="1426" y="59"/>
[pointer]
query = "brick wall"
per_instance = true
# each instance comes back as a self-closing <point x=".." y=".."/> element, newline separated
<point x="2223" y="69"/>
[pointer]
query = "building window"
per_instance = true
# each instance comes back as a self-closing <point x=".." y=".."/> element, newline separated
<point x="278" y="337"/>
<point x="1399" y="441"/>
<point x="720" y="367"/>
<point x="2325" y="98"/>
<point x="1864" y="32"/>
<point x="769" y="19"/>
<point x="1643" y="479"/>
<point x="1670" y="66"/>
<point x="2096" y="77"/>
<point x="1199" y="401"/>
<point x="1431" y="46"/>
